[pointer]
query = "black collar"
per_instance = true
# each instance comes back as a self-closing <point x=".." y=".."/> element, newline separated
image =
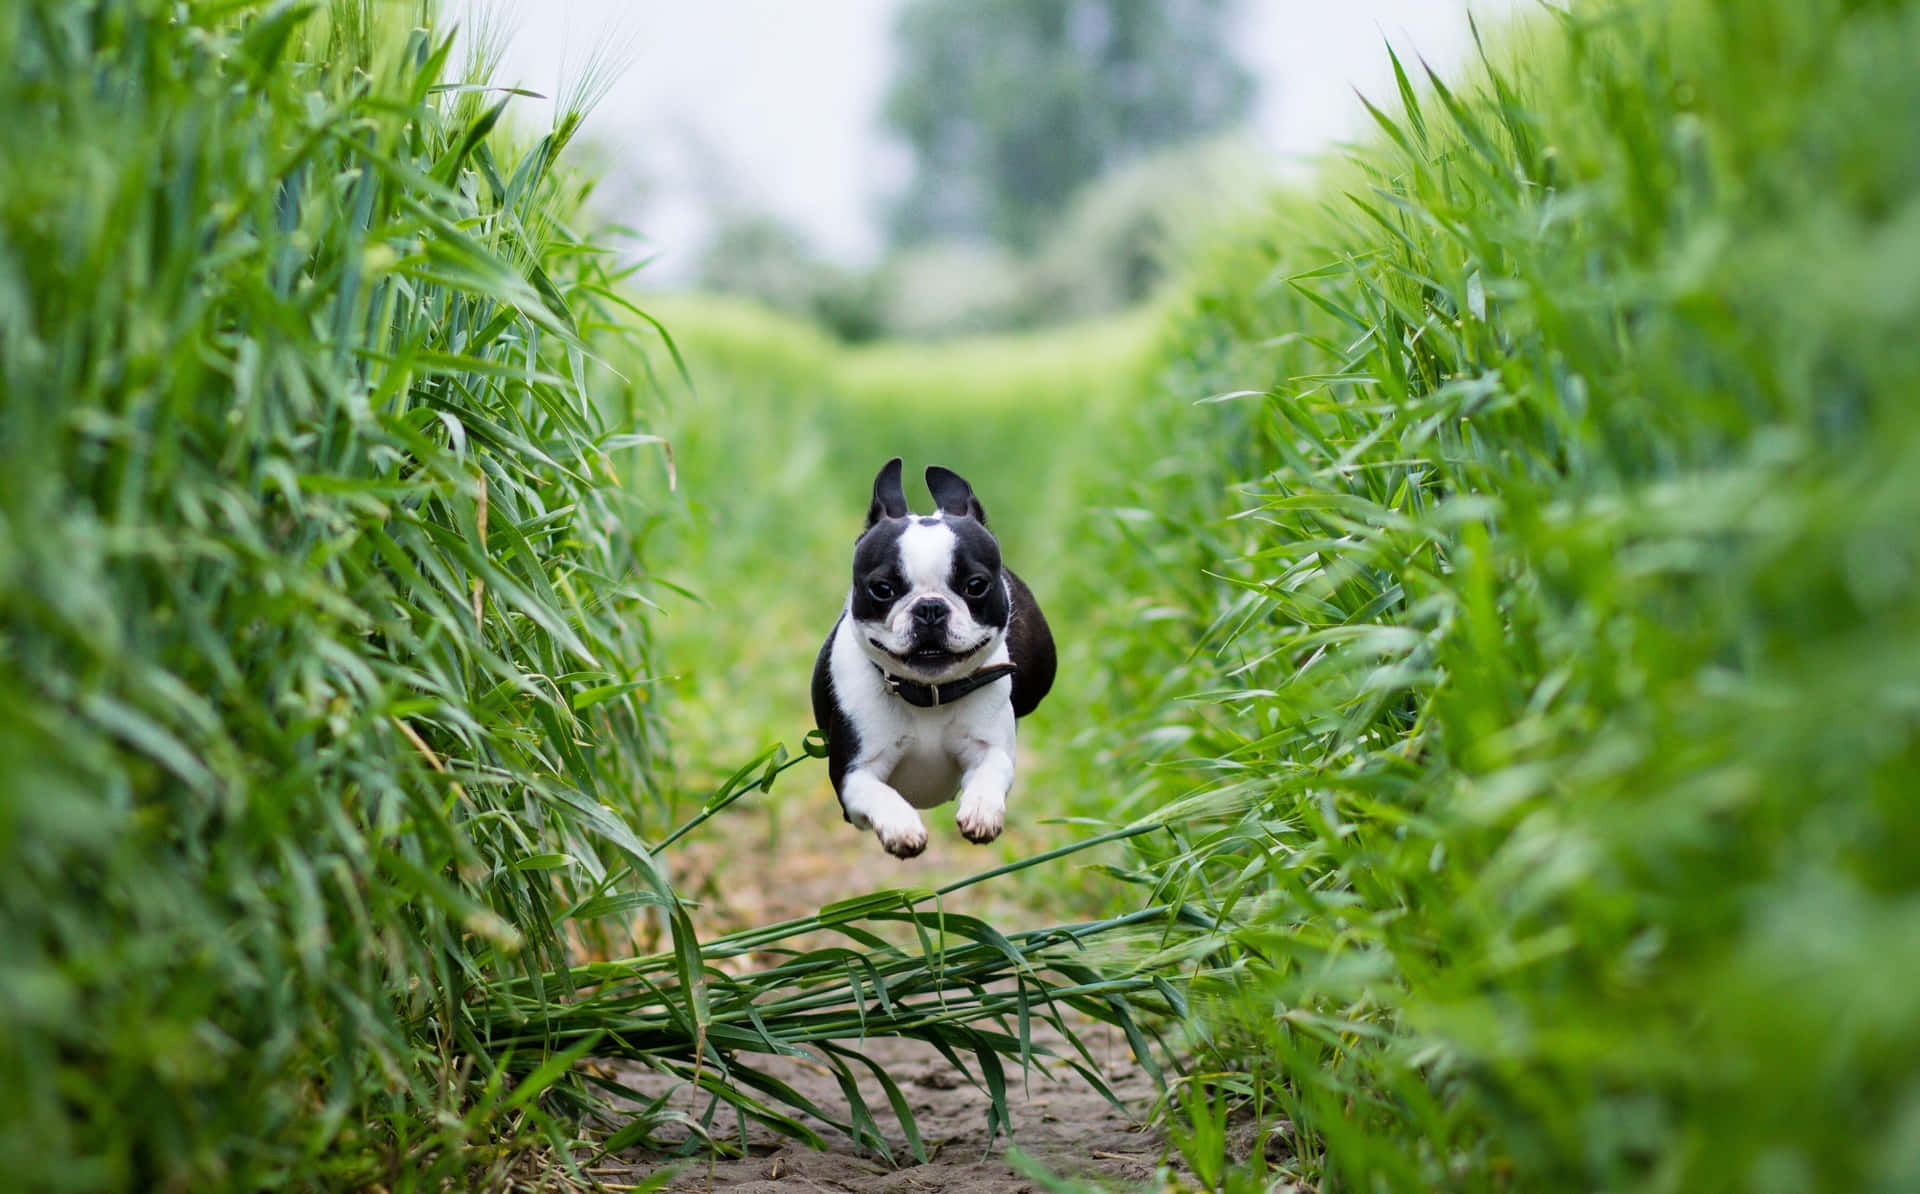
<point x="928" y="696"/>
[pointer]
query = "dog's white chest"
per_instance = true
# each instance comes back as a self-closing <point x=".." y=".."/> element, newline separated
<point x="923" y="754"/>
<point x="928" y="773"/>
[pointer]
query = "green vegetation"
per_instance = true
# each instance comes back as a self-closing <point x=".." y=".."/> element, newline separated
<point x="320" y="652"/>
<point x="1488" y="594"/>
<point x="1533" y="642"/>
<point x="331" y="748"/>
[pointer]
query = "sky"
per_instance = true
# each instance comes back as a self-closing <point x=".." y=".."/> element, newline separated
<point x="775" y="104"/>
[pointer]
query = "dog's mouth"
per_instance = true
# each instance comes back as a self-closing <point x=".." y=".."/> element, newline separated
<point x="928" y="658"/>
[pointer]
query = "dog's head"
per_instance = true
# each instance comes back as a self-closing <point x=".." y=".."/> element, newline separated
<point x="929" y="599"/>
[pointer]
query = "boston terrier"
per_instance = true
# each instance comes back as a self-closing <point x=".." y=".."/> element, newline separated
<point x="938" y="649"/>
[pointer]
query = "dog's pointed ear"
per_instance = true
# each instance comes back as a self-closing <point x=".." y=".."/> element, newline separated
<point x="889" y="496"/>
<point x="953" y="495"/>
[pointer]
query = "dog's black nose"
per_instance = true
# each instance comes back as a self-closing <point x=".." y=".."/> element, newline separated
<point x="931" y="612"/>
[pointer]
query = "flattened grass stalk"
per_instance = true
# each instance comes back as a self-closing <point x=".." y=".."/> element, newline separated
<point x="972" y="992"/>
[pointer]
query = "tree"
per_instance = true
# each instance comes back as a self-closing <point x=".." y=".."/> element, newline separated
<point x="757" y="254"/>
<point x="1009" y="106"/>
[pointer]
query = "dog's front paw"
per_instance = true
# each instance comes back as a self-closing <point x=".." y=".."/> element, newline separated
<point x="904" y="838"/>
<point x="980" y="821"/>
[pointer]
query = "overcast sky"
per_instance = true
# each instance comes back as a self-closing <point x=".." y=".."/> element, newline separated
<point x="777" y="101"/>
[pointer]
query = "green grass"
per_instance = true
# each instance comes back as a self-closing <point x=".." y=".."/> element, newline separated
<point x="1523" y="623"/>
<point x="329" y="737"/>
<point x="321" y="648"/>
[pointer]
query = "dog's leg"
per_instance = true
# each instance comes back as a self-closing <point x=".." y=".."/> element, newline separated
<point x="871" y="804"/>
<point x="983" y="793"/>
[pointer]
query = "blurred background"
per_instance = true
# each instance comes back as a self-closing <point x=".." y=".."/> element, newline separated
<point x="942" y="229"/>
<point x="930" y="167"/>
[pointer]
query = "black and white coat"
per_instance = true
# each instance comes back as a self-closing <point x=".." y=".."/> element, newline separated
<point x="938" y="650"/>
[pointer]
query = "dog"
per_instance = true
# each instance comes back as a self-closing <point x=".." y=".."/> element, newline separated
<point x="938" y="650"/>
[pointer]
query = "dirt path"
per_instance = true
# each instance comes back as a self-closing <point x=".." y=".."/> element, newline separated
<point x="772" y="859"/>
<point x="783" y="860"/>
<point x="1057" y="1118"/>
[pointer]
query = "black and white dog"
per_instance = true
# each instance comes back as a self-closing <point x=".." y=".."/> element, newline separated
<point x="938" y="650"/>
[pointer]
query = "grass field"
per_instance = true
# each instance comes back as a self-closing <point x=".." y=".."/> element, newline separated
<point x="1487" y="590"/>
<point x="321" y="664"/>
<point x="335" y="816"/>
<point x="1535" y="686"/>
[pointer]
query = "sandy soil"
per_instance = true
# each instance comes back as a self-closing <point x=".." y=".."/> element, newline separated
<point x="1058" y="1120"/>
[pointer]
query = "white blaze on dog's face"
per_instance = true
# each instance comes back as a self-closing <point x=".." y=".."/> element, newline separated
<point x="928" y="598"/>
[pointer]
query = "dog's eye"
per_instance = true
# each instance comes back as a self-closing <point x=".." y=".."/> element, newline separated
<point x="880" y="590"/>
<point x="977" y="586"/>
